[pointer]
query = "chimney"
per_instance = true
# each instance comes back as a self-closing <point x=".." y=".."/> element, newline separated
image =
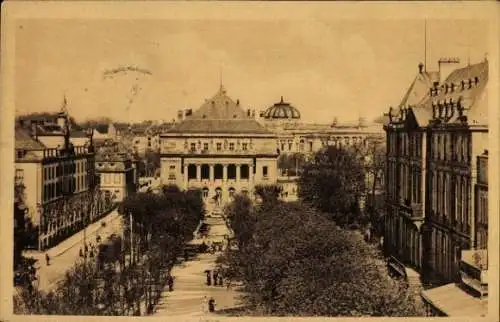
<point x="180" y="115"/>
<point x="446" y="67"/>
<point x="248" y="112"/>
<point x="238" y="102"/>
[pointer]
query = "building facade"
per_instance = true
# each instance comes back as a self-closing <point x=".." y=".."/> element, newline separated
<point x="296" y="136"/>
<point x="220" y="149"/>
<point x="406" y="174"/>
<point x="117" y="174"/>
<point x="436" y="182"/>
<point x="61" y="193"/>
<point x="458" y="134"/>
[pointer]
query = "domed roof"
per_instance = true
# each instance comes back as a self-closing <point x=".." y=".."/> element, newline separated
<point x="281" y="110"/>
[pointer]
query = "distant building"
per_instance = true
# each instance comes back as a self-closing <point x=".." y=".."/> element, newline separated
<point x="219" y="148"/>
<point x="117" y="174"/>
<point x="296" y="136"/>
<point x="61" y="193"/>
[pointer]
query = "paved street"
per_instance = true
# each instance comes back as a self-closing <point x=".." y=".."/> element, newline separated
<point x="64" y="255"/>
<point x="189" y="287"/>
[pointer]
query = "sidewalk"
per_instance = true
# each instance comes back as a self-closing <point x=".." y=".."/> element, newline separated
<point x="66" y="254"/>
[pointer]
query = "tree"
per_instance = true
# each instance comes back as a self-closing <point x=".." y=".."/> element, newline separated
<point x="291" y="164"/>
<point x="298" y="262"/>
<point x="333" y="182"/>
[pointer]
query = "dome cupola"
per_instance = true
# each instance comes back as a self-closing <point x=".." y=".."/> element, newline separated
<point x="281" y="111"/>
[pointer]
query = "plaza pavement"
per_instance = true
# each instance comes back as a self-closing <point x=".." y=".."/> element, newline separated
<point x="187" y="298"/>
<point x="64" y="255"/>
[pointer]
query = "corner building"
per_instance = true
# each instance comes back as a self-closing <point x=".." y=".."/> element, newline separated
<point x="458" y="135"/>
<point x="220" y="149"/>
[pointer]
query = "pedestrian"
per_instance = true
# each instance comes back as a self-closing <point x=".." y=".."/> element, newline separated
<point x="47" y="259"/>
<point x="221" y="280"/>
<point x="211" y="305"/>
<point x="204" y="304"/>
<point x="86" y="249"/>
<point x="216" y="277"/>
<point x="81" y="252"/>
<point x="170" y="283"/>
<point x="98" y="239"/>
<point x="209" y="277"/>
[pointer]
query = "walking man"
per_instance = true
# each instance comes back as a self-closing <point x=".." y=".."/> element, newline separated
<point x="170" y="283"/>
<point x="47" y="259"/>
<point x="211" y="305"/>
<point x="209" y="277"/>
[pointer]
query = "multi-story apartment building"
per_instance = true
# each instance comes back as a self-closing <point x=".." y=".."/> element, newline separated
<point x="468" y="297"/>
<point x="220" y="149"/>
<point x="61" y="193"/>
<point x="436" y="185"/>
<point x="405" y="174"/>
<point x="458" y="134"/>
<point x="117" y="173"/>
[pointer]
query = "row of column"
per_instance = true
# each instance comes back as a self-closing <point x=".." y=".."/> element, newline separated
<point x="212" y="171"/>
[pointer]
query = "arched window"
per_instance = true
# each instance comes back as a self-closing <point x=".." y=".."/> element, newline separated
<point x="205" y="171"/>
<point x="205" y="192"/>
<point x="244" y="171"/>
<point x="231" y="171"/>
<point x="191" y="172"/>
<point x="218" y="171"/>
<point x="231" y="192"/>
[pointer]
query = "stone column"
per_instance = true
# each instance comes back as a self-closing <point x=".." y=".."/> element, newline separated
<point x="238" y="172"/>
<point x="198" y="172"/>
<point x="224" y="173"/>
<point x="250" y="172"/>
<point x="212" y="173"/>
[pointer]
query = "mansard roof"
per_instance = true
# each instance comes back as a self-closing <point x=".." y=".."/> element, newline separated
<point x="464" y="93"/>
<point x="220" y="114"/>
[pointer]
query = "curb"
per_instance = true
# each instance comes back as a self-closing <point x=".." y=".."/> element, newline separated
<point x="89" y="234"/>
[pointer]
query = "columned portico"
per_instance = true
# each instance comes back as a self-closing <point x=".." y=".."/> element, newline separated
<point x="224" y="173"/>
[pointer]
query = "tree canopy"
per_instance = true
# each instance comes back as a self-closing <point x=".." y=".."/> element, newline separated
<point x="296" y="261"/>
<point x="333" y="182"/>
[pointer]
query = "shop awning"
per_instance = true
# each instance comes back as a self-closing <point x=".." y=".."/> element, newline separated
<point x="453" y="301"/>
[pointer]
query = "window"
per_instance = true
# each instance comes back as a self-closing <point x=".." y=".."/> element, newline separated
<point x="231" y="171"/>
<point x="172" y="167"/>
<point x="264" y="171"/>
<point x="191" y="171"/>
<point x="218" y="171"/>
<point x="244" y="146"/>
<point x="193" y="147"/>
<point x="171" y="176"/>
<point x="219" y="146"/>
<point x="244" y="171"/>
<point x="205" y="192"/>
<point x="205" y="171"/>
<point x="205" y="146"/>
<point x="231" y="146"/>
<point x="310" y="146"/>
<point x="117" y="178"/>
<point x="231" y="192"/>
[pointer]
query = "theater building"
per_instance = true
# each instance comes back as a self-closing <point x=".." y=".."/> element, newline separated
<point x="219" y="148"/>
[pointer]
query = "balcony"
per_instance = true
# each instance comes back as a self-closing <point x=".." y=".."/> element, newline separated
<point x="474" y="270"/>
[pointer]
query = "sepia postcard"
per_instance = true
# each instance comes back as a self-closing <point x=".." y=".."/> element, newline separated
<point x="274" y="161"/>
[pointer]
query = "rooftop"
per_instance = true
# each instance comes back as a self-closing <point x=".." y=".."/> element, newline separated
<point x="220" y="114"/>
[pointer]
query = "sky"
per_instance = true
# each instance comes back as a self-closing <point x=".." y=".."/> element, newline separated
<point x="325" y="68"/>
